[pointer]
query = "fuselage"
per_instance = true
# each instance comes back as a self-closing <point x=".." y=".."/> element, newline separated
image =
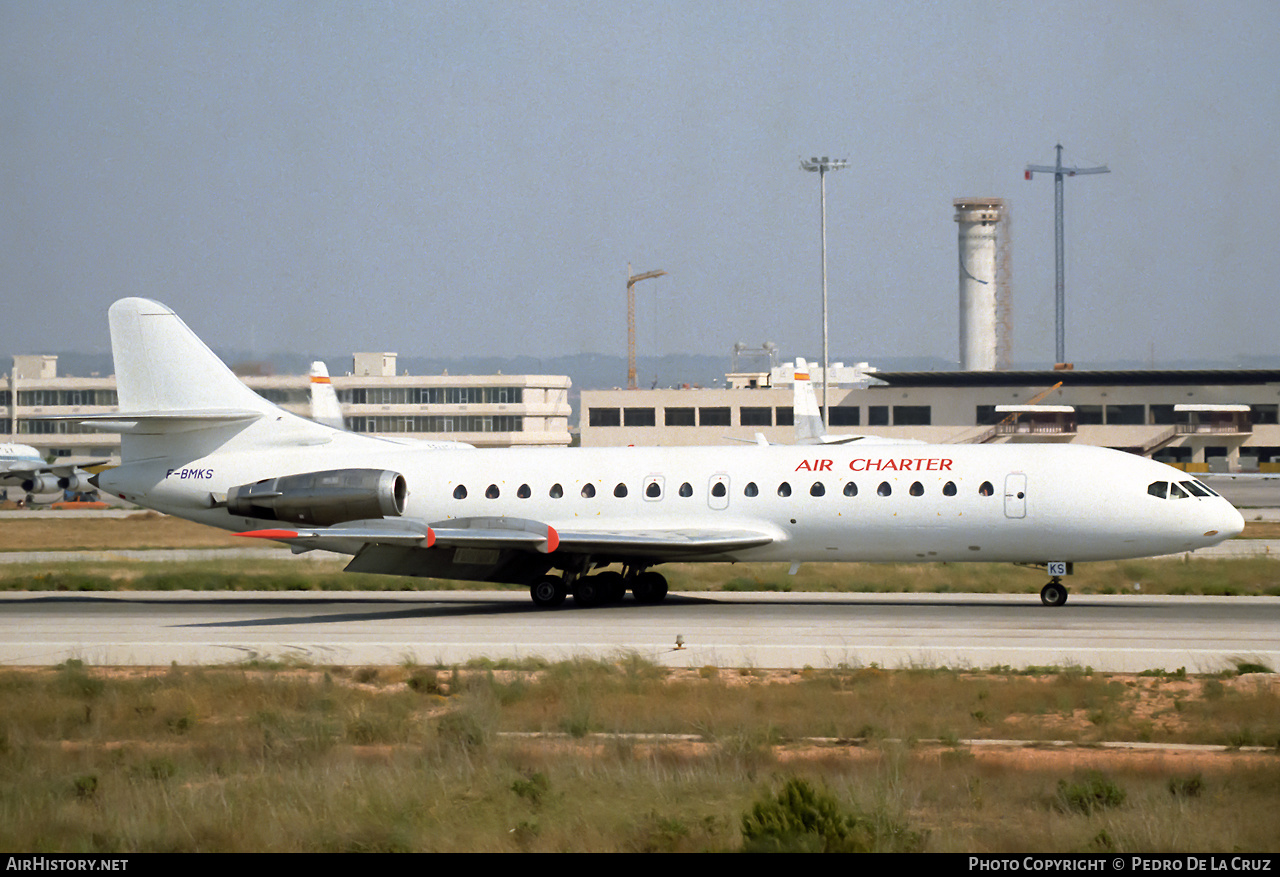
<point x="858" y="502"/>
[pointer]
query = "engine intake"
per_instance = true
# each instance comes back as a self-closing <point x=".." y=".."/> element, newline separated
<point x="322" y="498"/>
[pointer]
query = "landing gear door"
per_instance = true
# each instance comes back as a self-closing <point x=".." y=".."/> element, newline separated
<point x="1015" y="495"/>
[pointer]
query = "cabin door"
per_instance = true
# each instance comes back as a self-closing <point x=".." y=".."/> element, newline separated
<point x="718" y="492"/>
<point x="1015" y="495"/>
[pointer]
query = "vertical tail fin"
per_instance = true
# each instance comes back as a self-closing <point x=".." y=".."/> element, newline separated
<point x="161" y="366"/>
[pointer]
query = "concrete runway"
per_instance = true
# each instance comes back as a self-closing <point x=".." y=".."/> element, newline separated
<point x="1109" y="633"/>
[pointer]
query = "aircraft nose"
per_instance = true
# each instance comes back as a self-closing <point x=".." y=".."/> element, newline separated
<point x="1232" y="522"/>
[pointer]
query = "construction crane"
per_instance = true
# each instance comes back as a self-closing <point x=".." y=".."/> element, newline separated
<point x="1034" y="400"/>
<point x="632" y="280"/>
<point x="1060" y="302"/>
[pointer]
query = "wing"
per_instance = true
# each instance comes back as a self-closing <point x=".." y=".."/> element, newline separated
<point x="503" y="549"/>
<point x="78" y="472"/>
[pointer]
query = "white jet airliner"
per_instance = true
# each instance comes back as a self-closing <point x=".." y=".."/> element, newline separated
<point x="22" y="465"/>
<point x="199" y="444"/>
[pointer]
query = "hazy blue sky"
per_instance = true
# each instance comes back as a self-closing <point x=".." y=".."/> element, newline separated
<point x="471" y="177"/>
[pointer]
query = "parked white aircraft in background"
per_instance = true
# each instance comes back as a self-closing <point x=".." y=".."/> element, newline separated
<point x="199" y="444"/>
<point x="326" y="409"/>
<point x="22" y="466"/>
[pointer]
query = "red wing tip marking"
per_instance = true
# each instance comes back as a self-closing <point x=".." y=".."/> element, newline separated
<point x="317" y="379"/>
<point x="802" y="376"/>
<point x="270" y="534"/>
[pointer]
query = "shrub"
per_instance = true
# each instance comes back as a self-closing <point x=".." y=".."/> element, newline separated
<point x="1094" y="792"/>
<point x="797" y="819"/>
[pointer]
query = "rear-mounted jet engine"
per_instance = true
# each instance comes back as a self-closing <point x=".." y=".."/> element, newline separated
<point x="322" y="498"/>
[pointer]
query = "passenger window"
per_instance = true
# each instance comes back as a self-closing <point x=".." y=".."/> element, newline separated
<point x="1159" y="489"/>
<point x="653" y="491"/>
<point x="588" y="491"/>
<point x="751" y="489"/>
<point x="986" y="489"/>
<point x="524" y="492"/>
<point x="718" y="489"/>
<point x="784" y="489"/>
<point x="620" y="491"/>
<point x="949" y="489"/>
<point x="686" y="489"/>
<point x="917" y="489"/>
<point x="556" y="491"/>
<point x="850" y="489"/>
<point x="817" y="489"/>
<point x="491" y="492"/>
<point x="884" y="489"/>
<point x="459" y="492"/>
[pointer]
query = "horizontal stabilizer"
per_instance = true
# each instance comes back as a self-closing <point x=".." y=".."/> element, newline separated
<point x="160" y="422"/>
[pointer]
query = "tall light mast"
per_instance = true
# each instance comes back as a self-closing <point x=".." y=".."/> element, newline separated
<point x="631" y="321"/>
<point x="1060" y="301"/>
<point x="822" y="165"/>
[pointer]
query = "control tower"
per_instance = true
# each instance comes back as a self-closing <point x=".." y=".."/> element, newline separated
<point x="984" y="283"/>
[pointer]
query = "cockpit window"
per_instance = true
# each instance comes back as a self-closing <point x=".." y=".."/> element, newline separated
<point x="1179" y="489"/>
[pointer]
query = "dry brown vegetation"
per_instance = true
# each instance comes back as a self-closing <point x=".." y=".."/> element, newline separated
<point x="139" y="530"/>
<point x="625" y="755"/>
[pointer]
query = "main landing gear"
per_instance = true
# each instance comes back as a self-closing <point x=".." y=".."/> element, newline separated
<point x="603" y="588"/>
<point x="1054" y="593"/>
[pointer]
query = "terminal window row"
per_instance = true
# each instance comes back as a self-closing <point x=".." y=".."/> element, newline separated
<point x="723" y="415"/>
<point x="54" y="398"/>
<point x="436" y="423"/>
<point x="431" y="395"/>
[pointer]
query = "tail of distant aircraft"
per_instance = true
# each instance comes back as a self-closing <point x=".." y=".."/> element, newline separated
<point x="810" y="429"/>
<point x="324" y="398"/>
<point x="808" y="416"/>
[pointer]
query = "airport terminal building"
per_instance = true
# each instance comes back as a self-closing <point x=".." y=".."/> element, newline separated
<point x="482" y="410"/>
<point x="1220" y="419"/>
